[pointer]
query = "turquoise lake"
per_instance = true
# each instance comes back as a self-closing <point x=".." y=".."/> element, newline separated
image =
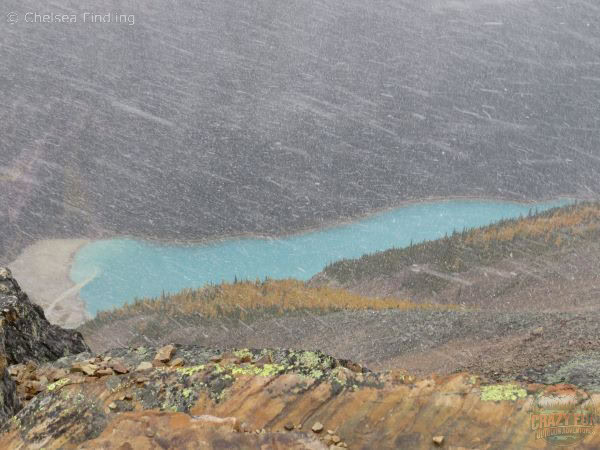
<point x="122" y="269"/>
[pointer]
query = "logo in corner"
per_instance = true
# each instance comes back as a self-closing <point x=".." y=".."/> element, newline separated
<point x="564" y="415"/>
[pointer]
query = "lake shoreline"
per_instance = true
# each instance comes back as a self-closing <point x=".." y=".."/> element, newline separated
<point x="136" y="268"/>
<point x="43" y="272"/>
<point x="44" y="268"/>
<point x="326" y="225"/>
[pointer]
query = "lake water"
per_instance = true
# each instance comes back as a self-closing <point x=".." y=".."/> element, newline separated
<point x="123" y="269"/>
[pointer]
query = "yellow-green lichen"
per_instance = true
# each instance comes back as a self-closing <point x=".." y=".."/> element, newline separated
<point x="243" y="354"/>
<point x="267" y="370"/>
<point x="187" y="393"/>
<point x="309" y="359"/>
<point x="243" y="370"/>
<point x="189" y="371"/>
<point x="316" y="373"/>
<point x="271" y="369"/>
<point x="58" y="384"/>
<point x="499" y="392"/>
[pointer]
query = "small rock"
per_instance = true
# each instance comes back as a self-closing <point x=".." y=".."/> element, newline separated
<point x="438" y="440"/>
<point x="104" y="372"/>
<point x="244" y="359"/>
<point x="356" y="368"/>
<point x="330" y="432"/>
<point x="571" y="342"/>
<point x="289" y="426"/>
<point x="317" y="427"/>
<point x="88" y="369"/>
<point x="57" y="374"/>
<point x="14" y="371"/>
<point x="532" y="388"/>
<point x="336" y="439"/>
<point x="165" y="353"/>
<point x="149" y="433"/>
<point x="216" y="359"/>
<point x="118" y="367"/>
<point x="112" y="405"/>
<point x="144" y="365"/>
<point x="177" y="362"/>
<point x="34" y="387"/>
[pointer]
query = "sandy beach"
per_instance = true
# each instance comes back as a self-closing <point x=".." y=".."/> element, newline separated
<point x="42" y="271"/>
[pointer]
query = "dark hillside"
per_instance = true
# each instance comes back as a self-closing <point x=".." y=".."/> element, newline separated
<point x="233" y="116"/>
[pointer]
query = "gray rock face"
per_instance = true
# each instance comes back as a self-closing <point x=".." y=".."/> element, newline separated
<point x="9" y="403"/>
<point x="26" y="335"/>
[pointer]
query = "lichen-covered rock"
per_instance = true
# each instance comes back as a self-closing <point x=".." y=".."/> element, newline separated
<point x="91" y="408"/>
<point x="250" y="398"/>
<point x="25" y="334"/>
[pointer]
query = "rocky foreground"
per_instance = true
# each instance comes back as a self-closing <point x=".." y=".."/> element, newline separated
<point x="57" y="394"/>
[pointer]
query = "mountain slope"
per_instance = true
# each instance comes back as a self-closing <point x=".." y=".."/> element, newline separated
<point x="238" y="116"/>
<point x="502" y="266"/>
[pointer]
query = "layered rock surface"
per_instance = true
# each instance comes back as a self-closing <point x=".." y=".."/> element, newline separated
<point x="266" y="399"/>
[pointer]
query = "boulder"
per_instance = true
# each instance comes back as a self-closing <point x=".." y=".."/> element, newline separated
<point x="165" y="353"/>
